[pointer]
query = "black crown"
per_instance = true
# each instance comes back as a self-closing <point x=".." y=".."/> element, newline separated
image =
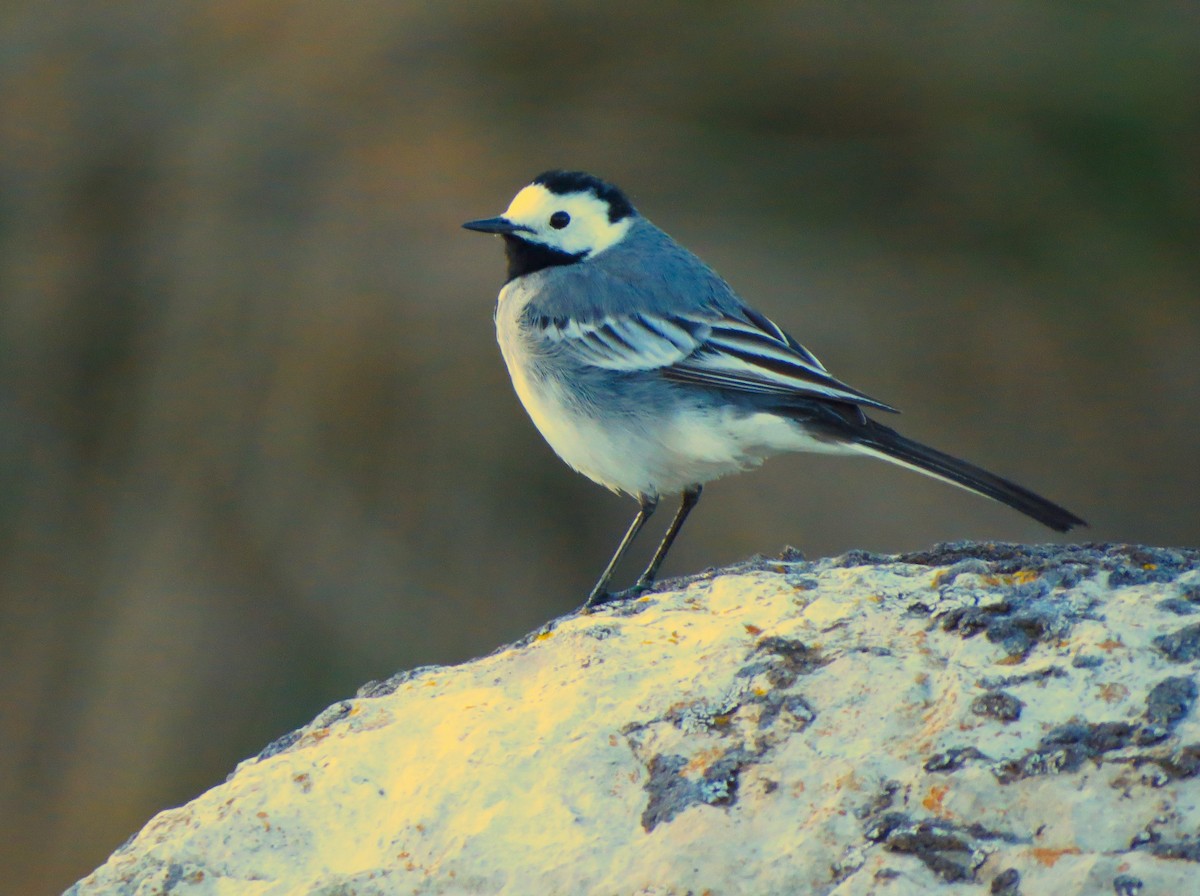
<point x="562" y="183"/>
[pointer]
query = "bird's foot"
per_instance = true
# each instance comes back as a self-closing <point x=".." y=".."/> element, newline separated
<point x="598" y="599"/>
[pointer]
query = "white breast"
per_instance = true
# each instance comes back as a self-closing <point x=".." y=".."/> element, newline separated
<point x="519" y="357"/>
<point x="579" y="440"/>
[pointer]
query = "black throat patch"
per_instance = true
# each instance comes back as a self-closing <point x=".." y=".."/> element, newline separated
<point x="525" y="257"/>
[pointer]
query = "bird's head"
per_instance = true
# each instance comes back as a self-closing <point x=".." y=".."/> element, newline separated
<point x="563" y="217"/>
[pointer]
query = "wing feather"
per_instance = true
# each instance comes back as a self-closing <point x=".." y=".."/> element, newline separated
<point x="747" y="354"/>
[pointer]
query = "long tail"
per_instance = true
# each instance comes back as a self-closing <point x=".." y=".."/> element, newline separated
<point x="882" y="441"/>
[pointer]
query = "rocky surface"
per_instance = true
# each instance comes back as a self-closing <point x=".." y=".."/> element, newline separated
<point x="978" y="718"/>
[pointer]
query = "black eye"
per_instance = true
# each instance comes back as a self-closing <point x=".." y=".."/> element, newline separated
<point x="559" y="220"/>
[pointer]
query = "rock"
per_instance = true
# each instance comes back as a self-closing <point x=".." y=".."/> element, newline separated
<point x="975" y="718"/>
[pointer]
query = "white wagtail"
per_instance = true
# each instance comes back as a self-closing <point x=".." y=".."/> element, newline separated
<point x="648" y="374"/>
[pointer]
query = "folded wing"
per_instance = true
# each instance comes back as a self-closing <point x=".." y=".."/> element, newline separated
<point x="743" y="354"/>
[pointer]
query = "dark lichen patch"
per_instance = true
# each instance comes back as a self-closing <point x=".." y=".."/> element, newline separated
<point x="781" y="661"/>
<point x="174" y="876"/>
<point x="1006" y="883"/>
<point x="177" y="874"/>
<point x="970" y="621"/>
<point x="280" y="745"/>
<point x="1035" y="764"/>
<point x="669" y="790"/>
<point x="392" y="684"/>
<point x="1176" y="765"/>
<point x="1182" y="645"/>
<point x="880" y="802"/>
<point x="1037" y="675"/>
<point x="1151" y="840"/>
<point x="374" y="689"/>
<point x="851" y="559"/>
<point x="749" y="737"/>
<point x="1170" y="701"/>
<point x="1002" y="558"/>
<point x="333" y="714"/>
<point x="1150" y="734"/>
<point x="791" y="707"/>
<point x="1068" y="747"/>
<point x="1065" y="749"/>
<point x="953" y="759"/>
<point x="998" y="705"/>
<point x="1137" y="565"/>
<point x="793" y="658"/>
<point x="329" y="716"/>
<point x="190" y="874"/>
<point x="791" y="712"/>
<point x="1101" y="737"/>
<point x="952" y="852"/>
<point x="1177" y="605"/>
<point x="1027" y="614"/>
<point x="602" y="632"/>
<point x="1185" y="850"/>
<point x="1060" y="566"/>
<point x="1018" y="633"/>
<point x="851" y="860"/>
<point x="1183" y="763"/>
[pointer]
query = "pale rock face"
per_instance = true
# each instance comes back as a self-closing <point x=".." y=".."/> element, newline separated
<point x="975" y="719"/>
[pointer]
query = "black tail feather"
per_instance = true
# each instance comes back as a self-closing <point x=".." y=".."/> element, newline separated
<point x="886" y="441"/>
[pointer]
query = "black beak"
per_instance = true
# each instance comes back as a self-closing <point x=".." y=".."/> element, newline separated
<point x="495" y="225"/>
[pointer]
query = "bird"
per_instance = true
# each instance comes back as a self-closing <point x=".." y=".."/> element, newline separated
<point x="648" y="374"/>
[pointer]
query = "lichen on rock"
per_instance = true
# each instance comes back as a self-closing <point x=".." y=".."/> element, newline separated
<point x="974" y="718"/>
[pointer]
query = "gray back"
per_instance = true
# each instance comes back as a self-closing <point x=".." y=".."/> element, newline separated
<point x="646" y="271"/>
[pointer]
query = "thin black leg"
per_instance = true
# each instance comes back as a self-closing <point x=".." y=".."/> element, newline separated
<point x="691" y="496"/>
<point x="600" y="592"/>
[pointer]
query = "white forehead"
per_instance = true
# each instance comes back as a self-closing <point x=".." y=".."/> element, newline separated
<point x="535" y="201"/>
<point x="590" y="229"/>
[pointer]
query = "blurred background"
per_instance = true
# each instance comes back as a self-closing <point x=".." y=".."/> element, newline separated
<point x="257" y="444"/>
